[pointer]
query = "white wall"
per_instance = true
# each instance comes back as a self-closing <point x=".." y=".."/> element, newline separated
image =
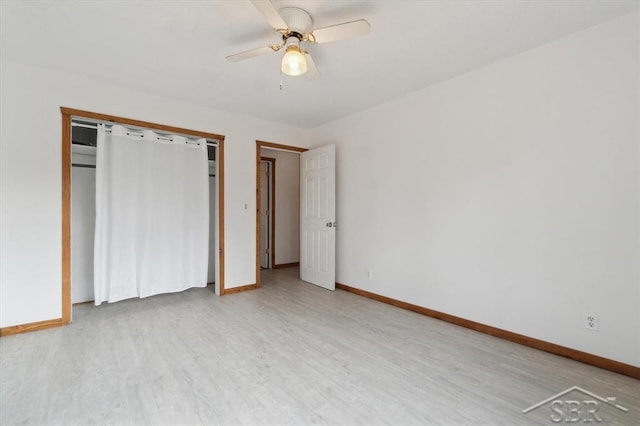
<point x="508" y="196"/>
<point x="287" y="233"/>
<point x="30" y="178"/>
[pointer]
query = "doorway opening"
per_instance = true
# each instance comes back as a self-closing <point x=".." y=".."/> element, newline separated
<point x="278" y="229"/>
<point x="72" y="154"/>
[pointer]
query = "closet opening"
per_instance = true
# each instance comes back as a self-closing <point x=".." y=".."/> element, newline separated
<point x="79" y="147"/>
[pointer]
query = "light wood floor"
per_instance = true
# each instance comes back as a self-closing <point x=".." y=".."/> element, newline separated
<point x="288" y="353"/>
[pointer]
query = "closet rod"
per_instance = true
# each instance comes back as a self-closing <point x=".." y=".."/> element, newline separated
<point x="92" y="166"/>
<point x="86" y="126"/>
<point x="95" y="127"/>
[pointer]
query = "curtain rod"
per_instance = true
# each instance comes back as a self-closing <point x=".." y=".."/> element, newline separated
<point x="95" y="127"/>
<point x="92" y="166"/>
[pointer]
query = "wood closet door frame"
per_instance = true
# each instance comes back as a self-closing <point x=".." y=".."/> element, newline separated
<point x="67" y="115"/>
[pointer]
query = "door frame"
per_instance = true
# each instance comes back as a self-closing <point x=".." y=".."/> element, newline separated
<point x="67" y="115"/>
<point x="272" y="209"/>
<point x="263" y="144"/>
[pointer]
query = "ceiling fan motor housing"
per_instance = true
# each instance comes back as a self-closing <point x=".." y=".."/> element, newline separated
<point x="299" y="21"/>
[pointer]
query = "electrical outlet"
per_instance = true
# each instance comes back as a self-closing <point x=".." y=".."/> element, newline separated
<point x="592" y="322"/>
<point x="370" y="275"/>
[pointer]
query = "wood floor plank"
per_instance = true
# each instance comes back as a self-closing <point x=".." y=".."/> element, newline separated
<point x="287" y="353"/>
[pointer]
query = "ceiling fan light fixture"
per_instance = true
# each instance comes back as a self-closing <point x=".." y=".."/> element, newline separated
<point x="295" y="26"/>
<point x="293" y="62"/>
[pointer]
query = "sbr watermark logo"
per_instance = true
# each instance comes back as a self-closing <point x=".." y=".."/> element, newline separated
<point x="586" y="410"/>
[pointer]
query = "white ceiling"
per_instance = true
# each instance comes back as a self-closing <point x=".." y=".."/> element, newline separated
<point x="177" y="48"/>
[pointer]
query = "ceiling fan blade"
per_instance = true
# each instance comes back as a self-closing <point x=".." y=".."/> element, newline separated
<point x="341" y="31"/>
<point x="249" y="54"/>
<point x="270" y="13"/>
<point x="312" y="71"/>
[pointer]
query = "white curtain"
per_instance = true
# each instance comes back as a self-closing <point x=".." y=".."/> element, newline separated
<point x="152" y="214"/>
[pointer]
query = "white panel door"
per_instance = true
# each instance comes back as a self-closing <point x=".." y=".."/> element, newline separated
<point x="317" y="216"/>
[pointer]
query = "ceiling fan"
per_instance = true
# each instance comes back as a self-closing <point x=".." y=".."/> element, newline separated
<point x="296" y="27"/>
